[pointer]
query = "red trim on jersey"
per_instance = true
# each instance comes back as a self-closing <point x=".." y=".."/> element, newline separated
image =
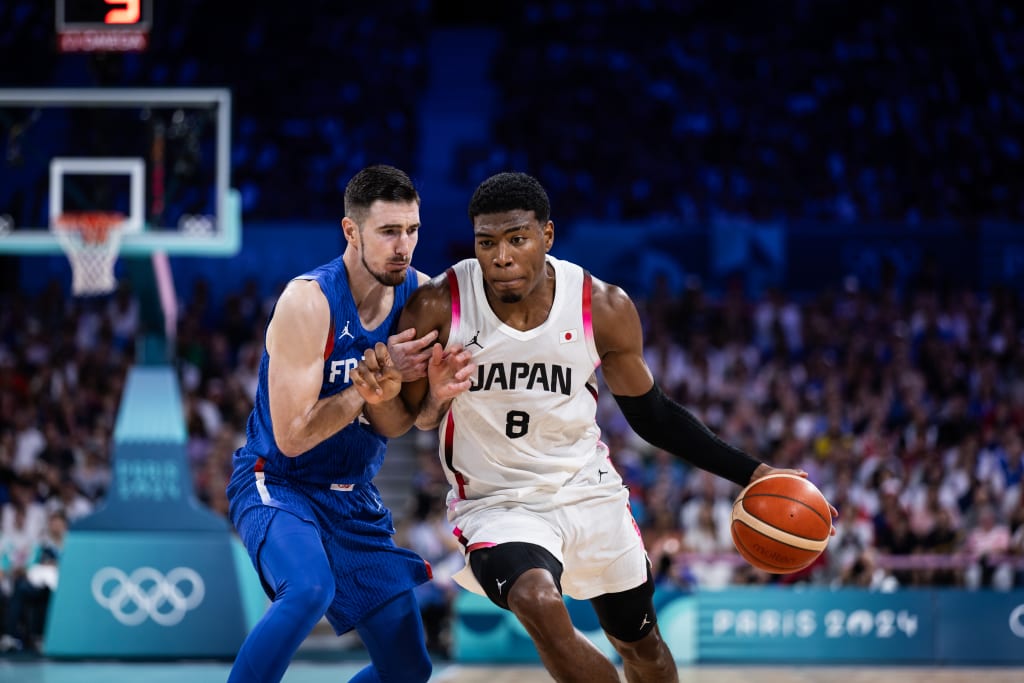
<point x="636" y="527"/>
<point x="449" y="439"/>
<point x="592" y="389"/>
<point x="461" y="481"/>
<point x="260" y="464"/>
<point x="476" y="546"/>
<point x="453" y="287"/>
<point x="470" y="547"/>
<point x="329" y="346"/>
<point x="588" y="321"/>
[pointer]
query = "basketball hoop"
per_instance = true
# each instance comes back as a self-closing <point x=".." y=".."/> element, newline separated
<point x="91" y="240"/>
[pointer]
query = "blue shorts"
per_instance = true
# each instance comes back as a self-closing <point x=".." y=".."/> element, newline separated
<point x="355" y="528"/>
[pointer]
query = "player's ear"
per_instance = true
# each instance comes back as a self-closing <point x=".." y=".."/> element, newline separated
<point x="548" y="230"/>
<point x="351" y="231"/>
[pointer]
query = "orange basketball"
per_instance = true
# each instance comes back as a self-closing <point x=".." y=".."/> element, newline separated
<point x="781" y="523"/>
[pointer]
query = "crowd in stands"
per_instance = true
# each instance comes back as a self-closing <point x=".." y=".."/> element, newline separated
<point x="681" y="108"/>
<point x="795" y="109"/>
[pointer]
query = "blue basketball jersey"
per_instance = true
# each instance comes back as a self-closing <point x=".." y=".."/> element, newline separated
<point x="354" y="454"/>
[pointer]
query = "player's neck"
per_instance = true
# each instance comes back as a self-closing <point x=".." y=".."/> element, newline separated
<point x="373" y="300"/>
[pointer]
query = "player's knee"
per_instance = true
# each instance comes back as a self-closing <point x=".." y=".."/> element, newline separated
<point x="534" y="597"/>
<point x="312" y="592"/>
<point x="648" y="649"/>
<point x="628" y="616"/>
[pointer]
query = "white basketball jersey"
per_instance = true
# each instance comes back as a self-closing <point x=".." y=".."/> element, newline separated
<point x="527" y="426"/>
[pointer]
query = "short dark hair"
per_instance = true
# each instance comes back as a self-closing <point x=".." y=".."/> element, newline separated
<point x="382" y="182"/>
<point x="510" y="191"/>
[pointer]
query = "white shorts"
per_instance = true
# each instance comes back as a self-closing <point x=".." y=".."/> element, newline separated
<point x="594" y="537"/>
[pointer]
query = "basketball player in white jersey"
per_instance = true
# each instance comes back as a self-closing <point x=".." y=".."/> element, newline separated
<point x="535" y="499"/>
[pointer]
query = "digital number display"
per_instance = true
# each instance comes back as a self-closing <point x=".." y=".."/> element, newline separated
<point x="106" y="14"/>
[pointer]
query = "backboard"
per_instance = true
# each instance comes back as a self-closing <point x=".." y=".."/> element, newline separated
<point x="160" y="156"/>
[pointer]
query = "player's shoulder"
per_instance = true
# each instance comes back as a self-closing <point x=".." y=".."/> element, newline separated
<point x="433" y="285"/>
<point x="440" y="286"/>
<point x="301" y="306"/>
<point x="615" y="319"/>
<point x="302" y="294"/>
<point x="609" y="297"/>
<point x="433" y="293"/>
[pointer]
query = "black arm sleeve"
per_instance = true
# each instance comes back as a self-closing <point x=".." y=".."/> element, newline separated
<point x="662" y="422"/>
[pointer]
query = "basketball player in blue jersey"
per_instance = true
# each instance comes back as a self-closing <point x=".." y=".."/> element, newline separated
<point x="535" y="499"/>
<point x="301" y="494"/>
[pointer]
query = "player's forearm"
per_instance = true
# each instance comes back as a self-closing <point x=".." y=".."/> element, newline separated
<point x="431" y="411"/>
<point x="666" y="424"/>
<point x="327" y="417"/>
<point x="389" y="418"/>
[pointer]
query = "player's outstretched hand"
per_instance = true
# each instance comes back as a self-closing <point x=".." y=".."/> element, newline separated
<point x="449" y="372"/>
<point x="409" y="354"/>
<point x="376" y="378"/>
<point x="764" y="470"/>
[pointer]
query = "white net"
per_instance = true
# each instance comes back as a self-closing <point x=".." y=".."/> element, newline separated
<point x="91" y="241"/>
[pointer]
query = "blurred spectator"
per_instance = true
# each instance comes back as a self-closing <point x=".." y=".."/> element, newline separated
<point x="943" y="540"/>
<point x="25" y="619"/>
<point x="865" y="572"/>
<point x="986" y="543"/>
<point x="22" y="527"/>
<point x="713" y="543"/>
<point x="22" y="523"/>
<point x="55" y="452"/>
<point x="93" y="474"/>
<point x="1017" y="554"/>
<point x="68" y="501"/>
<point x="28" y="440"/>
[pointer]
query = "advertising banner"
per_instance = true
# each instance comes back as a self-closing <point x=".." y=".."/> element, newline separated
<point x="980" y="627"/>
<point x="815" y="625"/>
<point x="812" y="626"/>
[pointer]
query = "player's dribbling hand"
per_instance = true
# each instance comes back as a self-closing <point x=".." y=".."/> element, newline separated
<point x="764" y="470"/>
<point x="376" y="378"/>
<point x="449" y="372"/>
<point x="411" y="354"/>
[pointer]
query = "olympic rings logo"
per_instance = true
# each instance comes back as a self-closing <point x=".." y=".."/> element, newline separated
<point x="1017" y="621"/>
<point x="148" y="594"/>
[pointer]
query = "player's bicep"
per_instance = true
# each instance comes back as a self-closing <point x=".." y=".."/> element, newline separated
<point x="618" y="335"/>
<point x="428" y="308"/>
<point x="296" y="338"/>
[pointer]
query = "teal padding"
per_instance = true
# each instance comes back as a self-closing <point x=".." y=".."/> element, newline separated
<point x="146" y="594"/>
<point x="151" y="408"/>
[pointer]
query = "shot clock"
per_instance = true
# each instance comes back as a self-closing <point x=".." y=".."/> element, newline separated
<point x="103" y="25"/>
